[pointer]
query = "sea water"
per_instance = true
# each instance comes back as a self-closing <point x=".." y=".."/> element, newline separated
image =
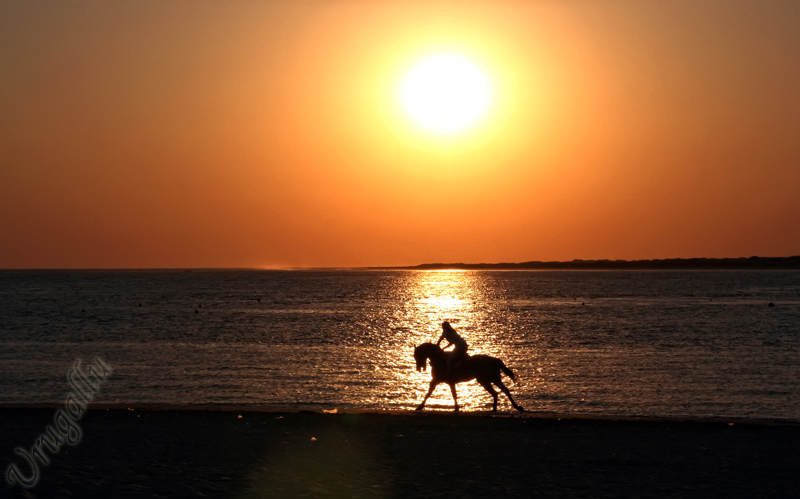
<point x="650" y="343"/>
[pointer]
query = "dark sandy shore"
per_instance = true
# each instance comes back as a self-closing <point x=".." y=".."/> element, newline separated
<point x="204" y="453"/>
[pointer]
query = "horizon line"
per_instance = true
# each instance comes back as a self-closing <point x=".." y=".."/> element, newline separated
<point x="794" y="259"/>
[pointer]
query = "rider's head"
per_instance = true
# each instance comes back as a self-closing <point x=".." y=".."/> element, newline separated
<point x="447" y="327"/>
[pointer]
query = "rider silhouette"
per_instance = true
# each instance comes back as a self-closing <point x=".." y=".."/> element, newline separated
<point x="452" y="337"/>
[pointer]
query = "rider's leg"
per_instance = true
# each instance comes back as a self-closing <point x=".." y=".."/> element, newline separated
<point x="460" y="353"/>
<point x="450" y="361"/>
<point x="455" y="357"/>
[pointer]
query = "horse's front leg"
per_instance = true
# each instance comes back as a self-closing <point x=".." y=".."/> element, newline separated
<point x="434" y="384"/>
<point x="453" y="391"/>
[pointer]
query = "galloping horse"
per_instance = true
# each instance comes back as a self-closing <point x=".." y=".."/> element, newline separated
<point x="483" y="368"/>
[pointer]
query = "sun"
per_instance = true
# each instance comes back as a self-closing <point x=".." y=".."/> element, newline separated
<point x="446" y="93"/>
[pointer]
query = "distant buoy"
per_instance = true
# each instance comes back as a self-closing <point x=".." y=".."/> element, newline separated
<point x="195" y="311"/>
<point x="140" y="304"/>
<point x="771" y="304"/>
<point x="583" y="303"/>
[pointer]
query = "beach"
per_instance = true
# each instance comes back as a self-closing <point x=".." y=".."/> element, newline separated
<point x="247" y="453"/>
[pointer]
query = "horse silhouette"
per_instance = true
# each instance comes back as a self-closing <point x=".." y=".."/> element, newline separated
<point x="483" y="368"/>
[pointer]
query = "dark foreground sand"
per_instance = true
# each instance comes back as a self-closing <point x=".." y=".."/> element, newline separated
<point x="193" y="453"/>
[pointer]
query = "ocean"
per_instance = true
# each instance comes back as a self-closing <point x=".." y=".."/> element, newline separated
<point x="626" y="343"/>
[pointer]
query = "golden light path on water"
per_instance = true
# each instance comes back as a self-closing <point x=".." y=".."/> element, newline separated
<point x="432" y="297"/>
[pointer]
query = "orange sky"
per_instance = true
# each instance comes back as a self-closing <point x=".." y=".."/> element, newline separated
<point x="264" y="134"/>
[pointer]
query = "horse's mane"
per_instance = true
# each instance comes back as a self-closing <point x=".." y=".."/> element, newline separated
<point x="431" y="346"/>
<point x="435" y="352"/>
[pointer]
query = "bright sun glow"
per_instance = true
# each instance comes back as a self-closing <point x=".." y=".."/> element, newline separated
<point x="446" y="93"/>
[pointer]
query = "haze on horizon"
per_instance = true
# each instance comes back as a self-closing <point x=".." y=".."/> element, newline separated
<point x="263" y="134"/>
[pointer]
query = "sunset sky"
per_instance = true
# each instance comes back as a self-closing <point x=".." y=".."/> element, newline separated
<point x="272" y="134"/>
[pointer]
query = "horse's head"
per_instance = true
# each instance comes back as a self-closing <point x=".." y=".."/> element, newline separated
<point x="421" y="358"/>
<point x="422" y="353"/>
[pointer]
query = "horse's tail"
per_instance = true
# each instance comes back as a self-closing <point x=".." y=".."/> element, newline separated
<point x="508" y="371"/>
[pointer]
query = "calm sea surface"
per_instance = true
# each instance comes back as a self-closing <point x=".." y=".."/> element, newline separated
<point x="665" y="343"/>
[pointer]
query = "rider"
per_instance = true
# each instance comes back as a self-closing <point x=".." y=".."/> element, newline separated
<point x="452" y="337"/>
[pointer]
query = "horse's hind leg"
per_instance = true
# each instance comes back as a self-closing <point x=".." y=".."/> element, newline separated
<point x="489" y="388"/>
<point x="508" y="394"/>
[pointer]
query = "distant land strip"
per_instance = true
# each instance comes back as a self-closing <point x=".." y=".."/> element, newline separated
<point x="754" y="262"/>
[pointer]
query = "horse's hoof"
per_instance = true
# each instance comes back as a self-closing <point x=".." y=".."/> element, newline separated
<point x="520" y="409"/>
<point x="418" y="408"/>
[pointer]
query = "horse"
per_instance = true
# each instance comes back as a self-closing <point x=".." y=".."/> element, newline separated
<point x="483" y="368"/>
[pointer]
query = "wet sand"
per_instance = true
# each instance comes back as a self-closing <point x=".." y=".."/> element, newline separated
<point x="214" y="453"/>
